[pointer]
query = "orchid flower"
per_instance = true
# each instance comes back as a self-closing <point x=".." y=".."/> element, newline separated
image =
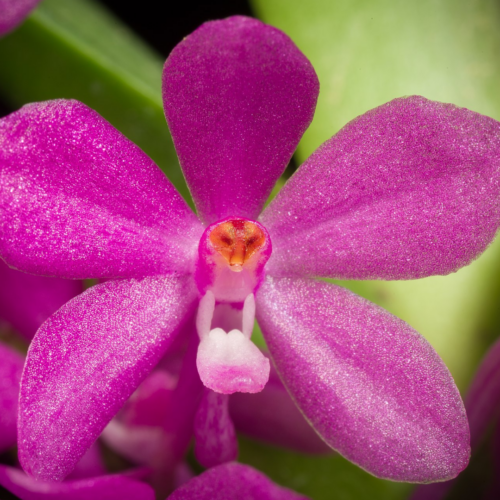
<point x="410" y="189"/>
<point x="13" y="13"/>
<point x="230" y="481"/>
<point x="157" y="423"/>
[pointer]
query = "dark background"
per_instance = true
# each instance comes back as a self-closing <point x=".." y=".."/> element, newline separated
<point x="164" y="23"/>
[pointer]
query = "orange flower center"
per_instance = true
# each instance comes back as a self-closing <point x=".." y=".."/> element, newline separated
<point x="237" y="241"/>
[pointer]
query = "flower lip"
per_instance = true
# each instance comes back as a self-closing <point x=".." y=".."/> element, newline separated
<point x="231" y="257"/>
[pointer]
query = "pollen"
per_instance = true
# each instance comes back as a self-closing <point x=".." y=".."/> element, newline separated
<point x="237" y="241"/>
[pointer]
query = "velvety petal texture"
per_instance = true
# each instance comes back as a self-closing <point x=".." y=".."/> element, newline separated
<point x="214" y="431"/>
<point x="407" y="190"/>
<point x="87" y="359"/>
<point x="483" y="409"/>
<point x="26" y="301"/>
<point x="233" y="481"/>
<point x="272" y="416"/>
<point x="238" y="95"/>
<point x="90" y="465"/>
<point x="11" y="368"/>
<point x="79" y="200"/>
<point x="137" y="430"/>
<point x="13" y="12"/>
<point x="371" y="386"/>
<point x="99" y="488"/>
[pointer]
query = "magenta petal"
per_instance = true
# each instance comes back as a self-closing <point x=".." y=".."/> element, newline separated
<point x="137" y="430"/>
<point x="233" y="481"/>
<point x="372" y="387"/>
<point x="238" y="95"/>
<point x="87" y="359"/>
<point x="79" y="200"/>
<point x="26" y="301"/>
<point x="272" y="416"/>
<point x="483" y="408"/>
<point x="11" y="368"/>
<point x="409" y="189"/>
<point x="214" y="431"/>
<point x="90" y="465"/>
<point x="13" y="12"/>
<point x="100" y="488"/>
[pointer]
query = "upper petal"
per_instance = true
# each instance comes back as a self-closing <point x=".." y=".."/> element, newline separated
<point x="87" y="359"/>
<point x="231" y="481"/>
<point x="372" y="387"/>
<point x="26" y="301"/>
<point x="11" y="367"/>
<point x="13" y="12"/>
<point x="112" y="487"/>
<point x="79" y="200"/>
<point x="238" y="95"/>
<point x="407" y="190"/>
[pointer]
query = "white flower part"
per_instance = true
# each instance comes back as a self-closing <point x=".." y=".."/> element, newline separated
<point x="229" y="362"/>
<point x="206" y="309"/>
<point x="248" y="315"/>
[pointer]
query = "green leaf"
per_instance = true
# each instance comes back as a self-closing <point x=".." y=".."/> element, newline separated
<point x="76" y="49"/>
<point x="328" y="477"/>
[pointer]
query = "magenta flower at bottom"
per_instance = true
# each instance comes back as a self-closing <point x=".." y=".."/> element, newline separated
<point x="410" y="189"/>
<point x="230" y="481"/>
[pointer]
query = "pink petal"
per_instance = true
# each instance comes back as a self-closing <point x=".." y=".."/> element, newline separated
<point x="483" y="409"/>
<point x="87" y="359"/>
<point x="214" y="431"/>
<point x="90" y="465"/>
<point x="273" y="417"/>
<point x="26" y="301"/>
<point x="155" y="426"/>
<point x="238" y="95"/>
<point x="13" y="12"/>
<point x="407" y="190"/>
<point x="100" y="488"/>
<point x="11" y="368"/>
<point x="372" y="387"/>
<point x="79" y="200"/>
<point x="233" y="481"/>
<point x="137" y="430"/>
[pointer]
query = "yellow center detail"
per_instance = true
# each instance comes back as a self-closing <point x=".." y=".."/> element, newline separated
<point x="237" y="241"/>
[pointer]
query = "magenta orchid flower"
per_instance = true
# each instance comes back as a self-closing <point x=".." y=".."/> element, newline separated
<point x="157" y="423"/>
<point x="410" y="189"/>
<point x="230" y="481"/>
<point x="13" y="13"/>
